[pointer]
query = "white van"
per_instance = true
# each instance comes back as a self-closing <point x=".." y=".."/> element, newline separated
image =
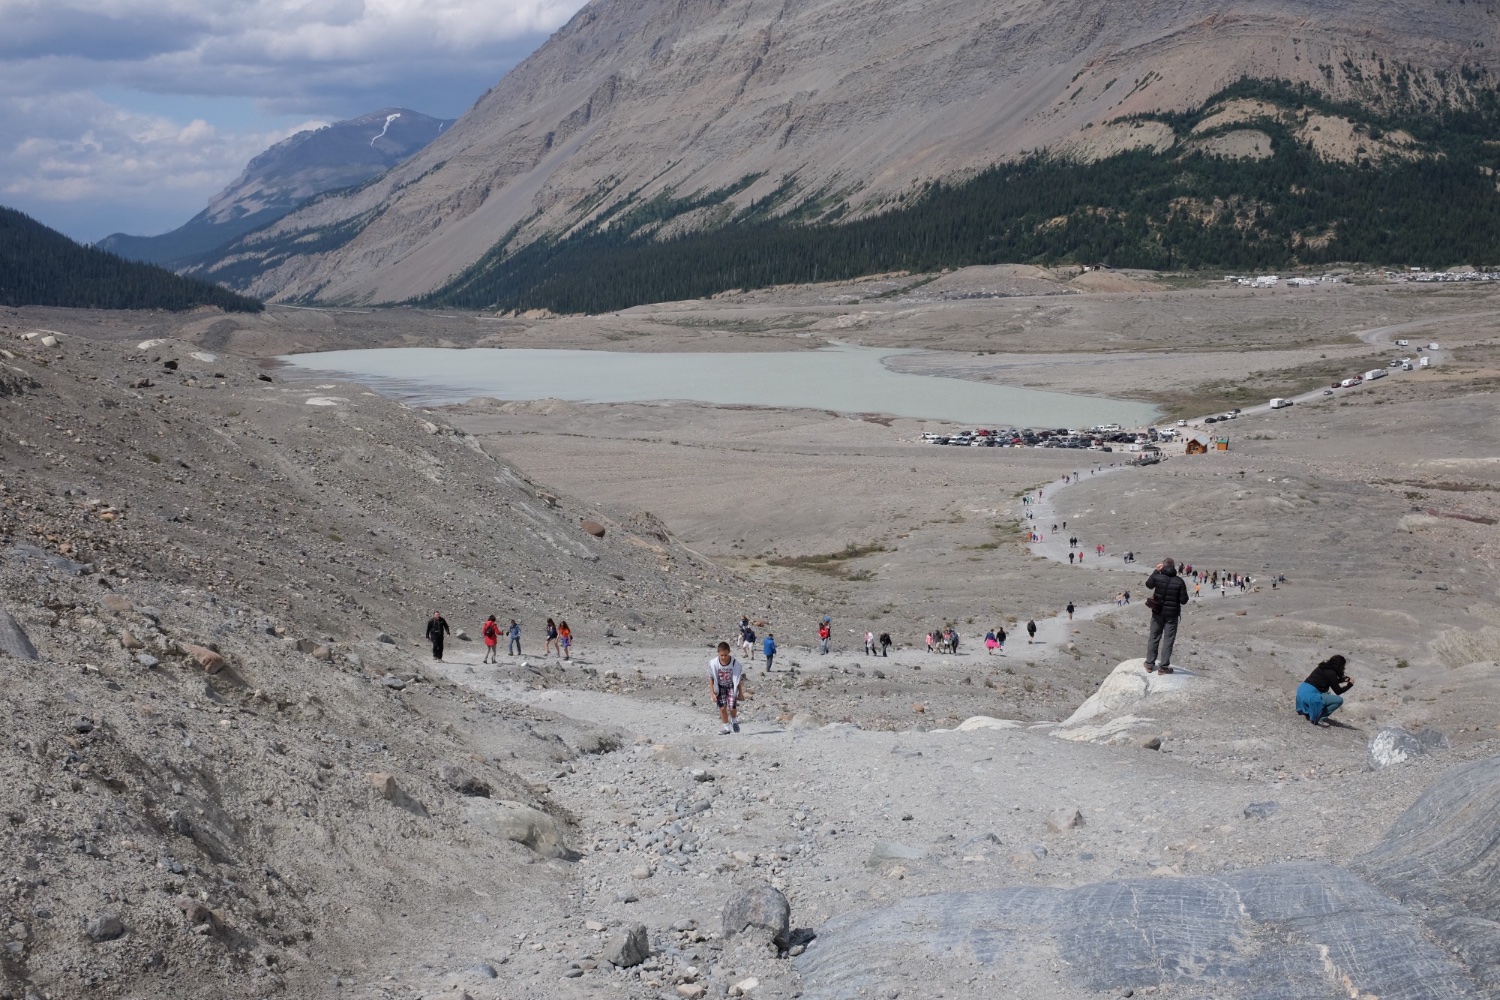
<point x="1406" y="364"/>
<point x="1278" y="403"/>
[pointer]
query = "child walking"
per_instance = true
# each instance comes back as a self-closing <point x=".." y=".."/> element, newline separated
<point x="724" y="676"/>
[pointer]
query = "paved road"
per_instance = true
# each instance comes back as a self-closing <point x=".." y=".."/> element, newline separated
<point x="1377" y="336"/>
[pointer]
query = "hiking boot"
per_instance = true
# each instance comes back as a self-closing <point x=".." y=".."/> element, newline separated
<point x="1164" y="669"/>
<point x="1150" y="668"/>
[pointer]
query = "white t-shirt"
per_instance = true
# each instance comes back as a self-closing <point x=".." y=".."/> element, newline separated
<point x="733" y="670"/>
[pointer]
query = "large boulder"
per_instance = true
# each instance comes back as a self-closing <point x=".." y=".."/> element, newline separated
<point x="1394" y="745"/>
<point x="519" y="823"/>
<point x="1415" y="917"/>
<point x="1119" y="708"/>
<point x="761" y="906"/>
<point x="628" y="947"/>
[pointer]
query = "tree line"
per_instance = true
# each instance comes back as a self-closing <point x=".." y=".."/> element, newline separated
<point x="42" y="267"/>
<point x="1167" y="210"/>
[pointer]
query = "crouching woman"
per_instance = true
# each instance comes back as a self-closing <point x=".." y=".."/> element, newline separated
<point x="1320" y="695"/>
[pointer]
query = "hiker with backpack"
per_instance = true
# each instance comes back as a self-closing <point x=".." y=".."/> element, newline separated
<point x="1030" y="631"/>
<point x="437" y="628"/>
<point x="724" y="676"/>
<point x="825" y="633"/>
<point x="491" y="633"/>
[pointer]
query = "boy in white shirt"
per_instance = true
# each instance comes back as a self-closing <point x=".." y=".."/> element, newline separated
<point x="724" y="675"/>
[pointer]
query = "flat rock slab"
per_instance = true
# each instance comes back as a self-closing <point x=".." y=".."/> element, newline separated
<point x="13" y="639"/>
<point x="1414" y="918"/>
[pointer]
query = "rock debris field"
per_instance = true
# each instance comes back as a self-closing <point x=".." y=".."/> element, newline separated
<point x="231" y="766"/>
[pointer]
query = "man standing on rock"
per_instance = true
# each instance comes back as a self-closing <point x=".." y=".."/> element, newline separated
<point x="437" y="628"/>
<point x="1168" y="594"/>
<point x="724" y="676"/>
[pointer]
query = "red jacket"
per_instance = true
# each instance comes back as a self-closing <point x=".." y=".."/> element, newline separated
<point x="491" y="633"/>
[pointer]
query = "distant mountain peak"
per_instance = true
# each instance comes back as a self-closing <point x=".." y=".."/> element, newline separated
<point x="286" y="176"/>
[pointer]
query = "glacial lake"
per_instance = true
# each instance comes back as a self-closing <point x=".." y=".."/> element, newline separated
<point x="844" y="378"/>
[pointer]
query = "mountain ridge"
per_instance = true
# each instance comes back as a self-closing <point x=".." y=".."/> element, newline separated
<point x="824" y="104"/>
<point x="286" y="176"/>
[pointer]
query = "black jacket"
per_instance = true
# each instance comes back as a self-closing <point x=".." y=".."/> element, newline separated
<point x="1170" y="592"/>
<point x="1325" y="677"/>
<point x="436" y="627"/>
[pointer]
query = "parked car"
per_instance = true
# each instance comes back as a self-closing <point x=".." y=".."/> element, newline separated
<point x="1328" y="392"/>
<point x="1210" y="420"/>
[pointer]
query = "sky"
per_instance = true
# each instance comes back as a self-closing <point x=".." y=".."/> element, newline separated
<point x="127" y="115"/>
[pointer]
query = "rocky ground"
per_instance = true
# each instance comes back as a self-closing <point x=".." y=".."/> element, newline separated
<point x="232" y="768"/>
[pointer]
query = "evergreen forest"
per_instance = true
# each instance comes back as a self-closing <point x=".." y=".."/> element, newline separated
<point x="1179" y="209"/>
<point x="42" y="267"/>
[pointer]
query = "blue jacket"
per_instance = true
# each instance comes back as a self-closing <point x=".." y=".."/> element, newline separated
<point x="769" y="646"/>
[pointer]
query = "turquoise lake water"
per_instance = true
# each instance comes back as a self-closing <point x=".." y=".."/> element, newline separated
<point x="843" y="378"/>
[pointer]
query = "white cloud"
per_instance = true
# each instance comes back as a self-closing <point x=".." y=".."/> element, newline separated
<point x="63" y="148"/>
<point x="80" y="155"/>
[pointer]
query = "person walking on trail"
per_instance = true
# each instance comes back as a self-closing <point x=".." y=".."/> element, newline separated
<point x="825" y="633"/>
<point x="491" y="633"/>
<point x="565" y="639"/>
<point x="747" y="640"/>
<point x="869" y="643"/>
<point x="437" y="628"/>
<point x="1168" y="594"/>
<point x="724" y="676"/>
<point x="1070" y="558"/>
<point x="1070" y="611"/>
<point x="514" y="634"/>
<point x="930" y="640"/>
<point x="1320" y="695"/>
<point x="551" y="643"/>
<point x="990" y="643"/>
<point x="1000" y="638"/>
<point x="885" y="644"/>
<point x="953" y="641"/>
<point x="769" y="648"/>
<point x="1030" y="631"/>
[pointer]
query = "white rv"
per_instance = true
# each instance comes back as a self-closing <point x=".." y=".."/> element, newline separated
<point x="1426" y="362"/>
<point x="1375" y="373"/>
<point x="1279" y="403"/>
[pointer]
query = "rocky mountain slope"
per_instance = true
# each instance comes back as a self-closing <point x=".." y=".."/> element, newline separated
<point x="224" y="764"/>
<point x="826" y="106"/>
<point x="286" y="176"/>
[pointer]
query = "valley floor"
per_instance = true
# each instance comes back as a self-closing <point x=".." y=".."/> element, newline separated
<point x="327" y="811"/>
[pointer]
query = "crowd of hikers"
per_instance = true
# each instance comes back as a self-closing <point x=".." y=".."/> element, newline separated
<point x="559" y="637"/>
<point x="1317" y="698"/>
